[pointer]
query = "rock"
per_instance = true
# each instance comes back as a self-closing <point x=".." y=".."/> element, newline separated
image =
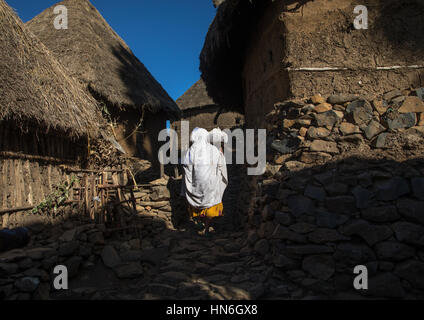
<point x="300" y="205"/>
<point x="304" y="122"/>
<point x="160" y="193"/>
<point x="352" y="138"/>
<point x="283" y="233"/>
<point x="68" y="248"/>
<point x="412" y="104"/>
<point x="360" y="111"/>
<point x="391" y="189"/>
<point x="336" y="189"/>
<point x="327" y="119"/>
<point x="262" y="247"/>
<point x="372" y="234"/>
<point x="321" y="236"/>
<point x="347" y="128"/>
<point x="25" y="264"/>
<point x="69" y="235"/>
<point x="281" y="159"/>
<point x="40" y="253"/>
<point x="409" y="233"/>
<point x="325" y="177"/>
<point x="73" y="265"/>
<point x="155" y="255"/>
<point x="381" y="214"/>
<point x="374" y="128"/>
<point x="403" y="120"/>
<point x="283" y="262"/>
<point x="272" y="170"/>
<point x="27" y="284"/>
<point x="129" y="270"/>
<point x="394" y="251"/>
<point x="315" y="157"/>
<point x="380" y="106"/>
<point x="412" y="210"/>
<point x="283" y="218"/>
<point x="7" y="269"/>
<point x="413" y="272"/>
<point x="302" y="227"/>
<point x="285" y="146"/>
<point x="319" y="266"/>
<point x="308" y="249"/>
<point x="388" y="96"/>
<point x="421" y="119"/>
<point x="330" y="220"/>
<point x="303" y="131"/>
<point x="340" y="114"/>
<point x="341" y="205"/>
<point x="342" y="99"/>
<point x="398" y="100"/>
<point x="381" y="141"/>
<point x="420" y="93"/>
<point x="363" y="197"/>
<point x="288" y="123"/>
<point x="324" y="146"/>
<point x="317" y="133"/>
<point x="172" y="277"/>
<point x="317" y="99"/>
<point x="385" y="285"/>
<point x="315" y="193"/>
<point x="110" y="257"/>
<point x="323" y="107"/>
<point x="352" y="254"/>
<point x="418" y="187"/>
<point x="96" y="238"/>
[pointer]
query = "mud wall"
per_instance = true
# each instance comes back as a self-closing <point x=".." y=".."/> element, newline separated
<point x="288" y="40"/>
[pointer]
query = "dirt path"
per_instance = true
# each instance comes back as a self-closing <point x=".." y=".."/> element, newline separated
<point x="180" y="264"/>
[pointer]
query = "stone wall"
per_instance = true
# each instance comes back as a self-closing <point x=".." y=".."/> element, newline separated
<point x="344" y="187"/>
<point x="77" y="243"/>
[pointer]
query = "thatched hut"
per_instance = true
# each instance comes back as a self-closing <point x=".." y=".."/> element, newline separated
<point x="261" y="52"/>
<point x="46" y="117"/>
<point x="99" y="58"/>
<point x="200" y="110"/>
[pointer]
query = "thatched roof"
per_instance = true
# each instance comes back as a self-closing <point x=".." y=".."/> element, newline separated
<point x="92" y="51"/>
<point x="195" y="97"/>
<point x="35" y="88"/>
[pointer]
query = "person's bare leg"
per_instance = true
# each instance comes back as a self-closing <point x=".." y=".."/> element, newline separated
<point x="207" y="225"/>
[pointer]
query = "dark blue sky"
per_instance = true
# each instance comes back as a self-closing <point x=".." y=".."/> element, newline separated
<point x="166" y="35"/>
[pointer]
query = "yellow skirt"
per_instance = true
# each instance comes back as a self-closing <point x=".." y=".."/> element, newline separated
<point x="213" y="212"/>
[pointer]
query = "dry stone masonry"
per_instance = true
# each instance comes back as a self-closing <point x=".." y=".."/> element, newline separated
<point x="344" y="187"/>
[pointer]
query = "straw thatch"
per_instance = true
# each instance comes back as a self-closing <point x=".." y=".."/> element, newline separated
<point x="95" y="54"/>
<point x="35" y="88"/>
<point x="195" y="97"/>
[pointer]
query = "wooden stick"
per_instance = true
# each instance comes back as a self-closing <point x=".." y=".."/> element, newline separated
<point x="17" y="155"/>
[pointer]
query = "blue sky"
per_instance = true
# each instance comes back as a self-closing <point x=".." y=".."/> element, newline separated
<point x="166" y="35"/>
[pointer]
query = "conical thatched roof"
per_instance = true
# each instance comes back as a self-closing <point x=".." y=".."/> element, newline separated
<point x="35" y="88"/>
<point x="195" y="97"/>
<point x="97" y="56"/>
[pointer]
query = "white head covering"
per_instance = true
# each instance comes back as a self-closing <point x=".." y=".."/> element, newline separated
<point x="217" y="136"/>
<point x="201" y="176"/>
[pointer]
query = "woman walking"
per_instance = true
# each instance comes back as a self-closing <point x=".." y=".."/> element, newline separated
<point x="202" y="177"/>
